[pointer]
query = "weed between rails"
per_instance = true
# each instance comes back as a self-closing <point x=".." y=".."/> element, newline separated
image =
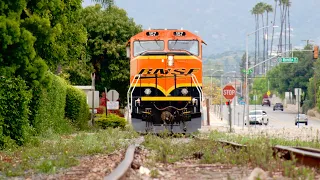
<point x="258" y="153"/>
<point x="48" y="155"/>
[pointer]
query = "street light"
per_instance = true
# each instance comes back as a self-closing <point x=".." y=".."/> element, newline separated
<point x="247" y="67"/>
<point x="222" y="90"/>
<point x="213" y="74"/>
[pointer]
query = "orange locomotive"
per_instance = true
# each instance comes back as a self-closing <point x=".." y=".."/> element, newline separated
<point x="165" y="81"/>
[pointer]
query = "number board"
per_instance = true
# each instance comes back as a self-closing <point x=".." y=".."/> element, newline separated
<point x="179" y="33"/>
<point x="150" y="33"/>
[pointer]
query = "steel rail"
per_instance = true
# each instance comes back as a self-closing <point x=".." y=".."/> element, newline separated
<point x="304" y="155"/>
<point x="125" y="164"/>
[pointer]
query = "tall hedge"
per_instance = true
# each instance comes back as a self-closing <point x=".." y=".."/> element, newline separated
<point x="50" y="107"/>
<point x="77" y="109"/>
<point x="14" y="110"/>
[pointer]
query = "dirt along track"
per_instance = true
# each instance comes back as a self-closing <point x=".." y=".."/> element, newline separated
<point x="143" y="165"/>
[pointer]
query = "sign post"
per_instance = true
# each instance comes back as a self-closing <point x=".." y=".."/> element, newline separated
<point x="297" y="92"/>
<point x="229" y="93"/>
<point x="93" y="76"/>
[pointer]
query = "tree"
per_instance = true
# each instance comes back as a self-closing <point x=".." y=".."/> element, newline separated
<point x="105" y="3"/>
<point x="60" y="38"/>
<point x="108" y="31"/>
<point x="268" y="9"/>
<point x="17" y="53"/>
<point x="286" y="77"/>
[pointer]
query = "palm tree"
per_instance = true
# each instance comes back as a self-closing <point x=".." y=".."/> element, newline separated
<point x="105" y="3"/>
<point x="260" y="10"/>
<point x="255" y="13"/>
<point x="274" y="22"/>
<point x="289" y="4"/>
<point x="268" y="8"/>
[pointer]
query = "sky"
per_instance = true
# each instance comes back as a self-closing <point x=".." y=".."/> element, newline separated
<point x="222" y="24"/>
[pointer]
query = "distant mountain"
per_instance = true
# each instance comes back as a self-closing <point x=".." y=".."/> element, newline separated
<point x="226" y="61"/>
<point x="222" y="24"/>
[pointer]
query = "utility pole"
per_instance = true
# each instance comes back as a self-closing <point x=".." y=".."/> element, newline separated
<point x="230" y="110"/>
<point x="234" y="100"/>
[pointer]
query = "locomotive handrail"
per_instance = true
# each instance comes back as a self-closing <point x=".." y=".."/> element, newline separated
<point x="130" y="98"/>
<point x="198" y="85"/>
<point x="199" y="90"/>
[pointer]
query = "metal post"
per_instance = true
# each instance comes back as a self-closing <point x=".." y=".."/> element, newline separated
<point x="221" y="97"/>
<point x="106" y="91"/>
<point x="247" y="87"/>
<point x="234" y="100"/>
<point x="93" y="89"/>
<point x="238" y="118"/>
<point x="230" y="111"/>
<point x="208" y="112"/>
<point x="298" y="107"/>
<point x="244" y="108"/>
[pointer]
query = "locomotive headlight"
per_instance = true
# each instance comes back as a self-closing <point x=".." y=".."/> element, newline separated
<point x="147" y="91"/>
<point x="170" y="60"/>
<point x="184" y="91"/>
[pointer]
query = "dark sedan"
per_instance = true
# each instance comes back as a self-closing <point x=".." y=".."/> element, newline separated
<point x="278" y="106"/>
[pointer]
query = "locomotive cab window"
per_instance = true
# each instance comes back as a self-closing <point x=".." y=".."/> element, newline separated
<point x="191" y="46"/>
<point x="140" y="47"/>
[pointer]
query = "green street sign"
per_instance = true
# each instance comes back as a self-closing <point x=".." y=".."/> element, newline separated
<point x="288" y="60"/>
<point x="249" y="71"/>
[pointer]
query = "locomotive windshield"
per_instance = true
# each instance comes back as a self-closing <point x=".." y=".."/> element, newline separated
<point x="190" y="46"/>
<point x="142" y="46"/>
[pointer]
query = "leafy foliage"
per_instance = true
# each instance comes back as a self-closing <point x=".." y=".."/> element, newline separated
<point x="260" y="88"/>
<point x="109" y="30"/>
<point x="14" y="109"/>
<point x="17" y="54"/>
<point x="286" y="77"/>
<point x="50" y="110"/>
<point x="60" y="38"/>
<point x="112" y="120"/>
<point x="77" y="109"/>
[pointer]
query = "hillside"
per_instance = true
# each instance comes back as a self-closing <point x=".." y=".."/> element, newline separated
<point x="222" y="24"/>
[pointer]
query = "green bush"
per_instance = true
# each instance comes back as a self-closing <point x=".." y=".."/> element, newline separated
<point x="77" y="109"/>
<point x="14" y="110"/>
<point x="112" y="120"/>
<point x="48" y="106"/>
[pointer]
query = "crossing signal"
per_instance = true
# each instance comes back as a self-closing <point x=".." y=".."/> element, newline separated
<point x="315" y="52"/>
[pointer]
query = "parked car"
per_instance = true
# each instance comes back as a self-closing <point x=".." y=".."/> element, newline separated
<point x="303" y="118"/>
<point x="257" y="117"/>
<point x="266" y="102"/>
<point x="278" y="106"/>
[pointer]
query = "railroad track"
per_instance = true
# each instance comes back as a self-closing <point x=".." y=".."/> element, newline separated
<point x="304" y="155"/>
<point x="125" y="164"/>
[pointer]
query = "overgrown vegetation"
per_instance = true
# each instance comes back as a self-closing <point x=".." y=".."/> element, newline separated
<point x="53" y="153"/>
<point x="257" y="154"/>
<point x="47" y="47"/>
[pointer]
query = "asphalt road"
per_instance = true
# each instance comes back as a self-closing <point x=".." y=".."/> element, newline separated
<point x="277" y="119"/>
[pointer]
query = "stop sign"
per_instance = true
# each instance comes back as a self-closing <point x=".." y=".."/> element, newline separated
<point x="229" y="92"/>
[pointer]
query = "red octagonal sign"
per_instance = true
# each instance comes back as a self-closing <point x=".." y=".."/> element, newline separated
<point x="229" y="92"/>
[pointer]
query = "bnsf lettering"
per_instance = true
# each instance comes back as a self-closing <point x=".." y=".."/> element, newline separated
<point x="180" y="71"/>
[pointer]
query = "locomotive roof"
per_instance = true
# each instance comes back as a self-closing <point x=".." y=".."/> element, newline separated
<point x="165" y="34"/>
